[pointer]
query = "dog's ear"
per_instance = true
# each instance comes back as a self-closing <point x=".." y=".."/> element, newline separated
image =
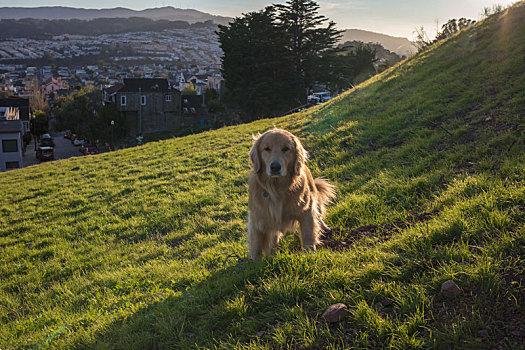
<point x="254" y="153"/>
<point x="301" y="156"/>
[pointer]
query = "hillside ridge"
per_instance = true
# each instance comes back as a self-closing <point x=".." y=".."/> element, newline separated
<point x="63" y="12"/>
<point x="143" y="247"/>
<point x="401" y="46"/>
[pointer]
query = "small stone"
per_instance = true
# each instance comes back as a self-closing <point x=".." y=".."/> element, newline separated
<point x="335" y="313"/>
<point x="260" y="334"/>
<point x="450" y="289"/>
<point x="488" y="119"/>
<point x="387" y="302"/>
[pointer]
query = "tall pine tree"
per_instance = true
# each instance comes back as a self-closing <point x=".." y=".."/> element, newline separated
<point x="309" y="41"/>
<point x="257" y="65"/>
<point x="273" y="57"/>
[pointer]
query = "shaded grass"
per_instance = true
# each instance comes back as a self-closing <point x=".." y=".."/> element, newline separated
<point x="129" y="249"/>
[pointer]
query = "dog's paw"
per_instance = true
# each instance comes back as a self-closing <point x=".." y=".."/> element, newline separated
<point x="309" y="249"/>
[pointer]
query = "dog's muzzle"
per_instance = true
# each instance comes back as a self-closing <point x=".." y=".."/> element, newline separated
<point x="275" y="169"/>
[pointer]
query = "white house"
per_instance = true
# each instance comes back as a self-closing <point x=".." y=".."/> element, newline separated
<point x="11" y="132"/>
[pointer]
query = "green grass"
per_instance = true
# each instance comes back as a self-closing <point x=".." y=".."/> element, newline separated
<point x="130" y="249"/>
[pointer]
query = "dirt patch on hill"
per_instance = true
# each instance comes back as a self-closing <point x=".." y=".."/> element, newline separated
<point x="383" y="231"/>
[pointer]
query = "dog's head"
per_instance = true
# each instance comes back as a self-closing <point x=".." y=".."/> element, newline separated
<point x="277" y="153"/>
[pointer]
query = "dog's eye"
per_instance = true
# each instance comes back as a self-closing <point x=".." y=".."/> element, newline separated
<point x="267" y="149"/>
<point x="285" y="149"/>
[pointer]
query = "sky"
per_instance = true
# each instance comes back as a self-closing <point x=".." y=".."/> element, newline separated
<point x="393" y="17"/>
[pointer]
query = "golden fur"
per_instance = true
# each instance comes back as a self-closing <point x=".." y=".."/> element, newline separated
<point x="283" y="193"/>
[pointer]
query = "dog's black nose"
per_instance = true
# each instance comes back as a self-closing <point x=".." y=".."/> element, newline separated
<point x="275" y="168"/>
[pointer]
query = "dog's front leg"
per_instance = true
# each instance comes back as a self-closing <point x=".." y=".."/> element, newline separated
<point x="309" y="231"/>
<point x="260" y="242"/>
<point x="255" y="243"/>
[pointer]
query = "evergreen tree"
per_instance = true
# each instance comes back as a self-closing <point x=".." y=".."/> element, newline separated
<point x="272" y="58"/>
<point x="257" y="66"/>
<point x="40" y="123"/>
<point x="309" y="42"/>
<point x="452" y="27"/>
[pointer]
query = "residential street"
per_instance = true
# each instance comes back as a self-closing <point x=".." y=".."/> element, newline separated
<point x="63" y="149"/>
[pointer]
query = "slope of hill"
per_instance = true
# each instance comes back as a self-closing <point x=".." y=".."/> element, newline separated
<point x="60" y="12"/>
<point x="401" y="46"/>
<point x="132" y="249"/>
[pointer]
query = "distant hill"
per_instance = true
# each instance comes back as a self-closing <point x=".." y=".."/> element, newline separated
<point x="59" y="12"/>
<point x="382" y="54"/>
<point x="401" y="46"/>
<point x="45" y="28"/>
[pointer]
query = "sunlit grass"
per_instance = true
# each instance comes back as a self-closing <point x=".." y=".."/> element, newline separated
<point x="130" y="249"/>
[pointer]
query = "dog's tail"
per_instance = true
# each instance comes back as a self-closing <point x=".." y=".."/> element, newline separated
<point x="326" y="191"/>
<point x="326" y="194"/>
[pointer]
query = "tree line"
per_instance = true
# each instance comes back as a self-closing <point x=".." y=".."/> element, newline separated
<point x="83" y="113"/>
<point x="274" y="57"/>
<point x="44" y="28"/>
<point x="447" y="30"/>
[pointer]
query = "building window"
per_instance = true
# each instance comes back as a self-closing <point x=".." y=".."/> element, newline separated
<point x="143" y="100"/>
<point x="12" y="165"/>
<point x="123" y="100"/>
<point x="168" y="98"/>
<point x="26" y="126"/>
<point x="9" y="145"/>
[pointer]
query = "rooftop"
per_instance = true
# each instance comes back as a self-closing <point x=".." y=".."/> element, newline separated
<point x="10" y="126"/>
<point x="146" y="85"/>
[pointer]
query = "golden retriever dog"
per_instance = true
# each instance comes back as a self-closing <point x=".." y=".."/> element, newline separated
<point x="283" y="193"/>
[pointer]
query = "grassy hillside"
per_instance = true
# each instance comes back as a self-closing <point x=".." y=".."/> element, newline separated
<point x="130" y="249"/>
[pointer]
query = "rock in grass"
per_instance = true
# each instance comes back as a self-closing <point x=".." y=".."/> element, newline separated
<point x="335" y="313"/>
<point x="387" y="302"/>
<point x="450" y="289"/>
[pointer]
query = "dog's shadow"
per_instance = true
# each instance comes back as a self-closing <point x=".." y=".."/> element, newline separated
<point x="227" y="303"/>
<point x="212" y="305"/>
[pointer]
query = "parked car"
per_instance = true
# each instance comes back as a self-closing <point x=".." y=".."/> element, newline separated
<point x="67" y="134"/>
<point x="319" y="97"/>
<point x="73" y="137"/>
<point x="89" y="150"/>
<point x="45" y="153"/>
<point x="83" y="146"/>
<point x="47" y="142"/>
<point x="78" y="142"/>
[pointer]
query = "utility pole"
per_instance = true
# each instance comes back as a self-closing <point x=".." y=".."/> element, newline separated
<point x="34" y="129"/>
<point x="112" y="127"/>
<point x="140" y="112"/>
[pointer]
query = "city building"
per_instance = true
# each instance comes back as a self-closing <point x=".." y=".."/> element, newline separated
<point x="52" y="85"/>
<point x="11" y="132"/>
<point x="148" y="105"/>
<point x="22" y="104"/>
<point x="216" y="82"/>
